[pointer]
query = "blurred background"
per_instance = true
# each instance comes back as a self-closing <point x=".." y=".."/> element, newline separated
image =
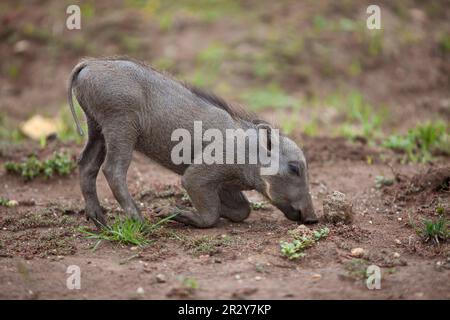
<point x="311" y="67"/>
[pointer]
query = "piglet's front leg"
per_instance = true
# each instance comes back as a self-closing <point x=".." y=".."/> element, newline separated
<point x="202" y="188"/>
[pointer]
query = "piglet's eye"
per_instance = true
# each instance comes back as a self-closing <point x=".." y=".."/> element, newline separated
<point x="294" y="168"/>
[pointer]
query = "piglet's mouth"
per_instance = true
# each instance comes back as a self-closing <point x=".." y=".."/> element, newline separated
<point x="297" y="215"/>
<point x="307" y="220"/>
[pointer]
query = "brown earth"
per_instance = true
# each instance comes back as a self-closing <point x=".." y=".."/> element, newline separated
<point x="39" y="241"/>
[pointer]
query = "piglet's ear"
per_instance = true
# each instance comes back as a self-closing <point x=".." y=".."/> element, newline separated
<point x="266" y="129"/>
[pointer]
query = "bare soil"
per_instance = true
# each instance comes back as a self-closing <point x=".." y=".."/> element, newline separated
<point x="39" y="241"/>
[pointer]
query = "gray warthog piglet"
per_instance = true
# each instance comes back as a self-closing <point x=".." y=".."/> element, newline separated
<point x="130" y="106"/>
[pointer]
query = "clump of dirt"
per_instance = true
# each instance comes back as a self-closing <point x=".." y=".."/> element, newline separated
<point x="422" y="189"/>
<point x="301" y="231"/>
<point x="435" y="179"/>
<point x="336" y="208"/>
<point x="180" y="293"/>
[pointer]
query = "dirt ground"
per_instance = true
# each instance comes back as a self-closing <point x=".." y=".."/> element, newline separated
<point x="39" y="242"/>
<point x="39" y="238"/>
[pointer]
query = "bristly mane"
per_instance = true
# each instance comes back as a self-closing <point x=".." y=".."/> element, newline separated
<point x="235" y="111"/>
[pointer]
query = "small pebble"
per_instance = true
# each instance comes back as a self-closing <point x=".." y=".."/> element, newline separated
<point x="21" y="46"/>
<point x="140" y="290"/>
<point x="12" y="203"/>
<point x="357" y="252"/>
<point x="316" y="276"/>
<point x="160" y="278"/>
<point x="336" y="208"/>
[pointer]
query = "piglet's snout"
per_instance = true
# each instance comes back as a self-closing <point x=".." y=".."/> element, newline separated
<point x="307" y="213"/>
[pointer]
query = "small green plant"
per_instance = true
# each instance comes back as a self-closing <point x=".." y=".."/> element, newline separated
<point x="354" y="68"/>
<point x="440" y="210"/>
<point x="311" y="129"/>
<point x="187" y="289"/>
<point x="258" y="205"/>
<point x="345" y="24"/>
<point x="375" y="43"/>
<point x="270" y="97"/>
<point x="391" y="270"/>
<point x="190" y="283"/>
<point x="61" y="164"/>
<point x="321" y="233"/>
<point x="320" y="23"/>
<point x="435" y="230"/>
<point x="209" y="61"/>
<point x="444" y="42"/>
<point x="8" y="203"/>
<point x="29" y="169"/>
<point x="381" y="181"/>
<point x="13" y="71"/>
<point x="126" y="231"/>
<point x="362" y="119"/>
<point x="294" y="250"/>
<point x="288" y="124"/>
<point x="8" y="133"/>
<point x="88" y="10"/>
<point x="421" y="142"/>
